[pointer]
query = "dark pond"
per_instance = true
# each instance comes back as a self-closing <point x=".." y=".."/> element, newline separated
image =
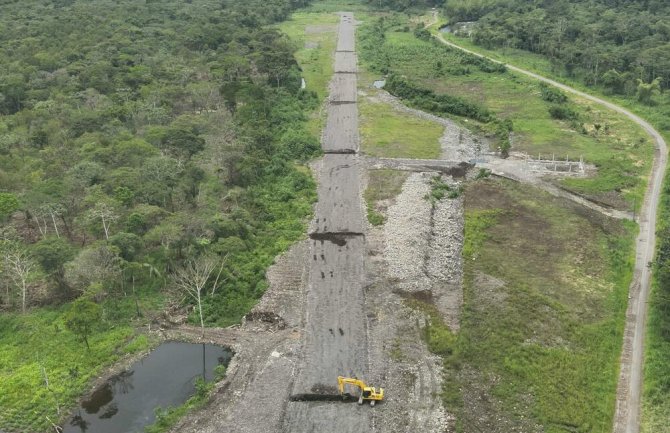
<point x="126" y="402"/>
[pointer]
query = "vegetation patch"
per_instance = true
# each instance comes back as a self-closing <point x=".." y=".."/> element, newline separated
<point x="315" y="37"/>
<point x="383" y="185"/>
<point x="185" y="140"/>
<point x="38" y="348"/>
<point x="656" y="397"/>
<point x="620" y="149"/>
<point x="386" y="132"/>
<point x="544" y="303"/>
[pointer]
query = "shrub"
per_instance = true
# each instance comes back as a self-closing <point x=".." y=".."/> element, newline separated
<point x="561" y="112"/>
<point x="552" y="94"/>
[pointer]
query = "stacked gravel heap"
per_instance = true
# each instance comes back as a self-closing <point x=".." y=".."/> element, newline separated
<point x="459" y="144"/>
<point x="424" y="245"/>
<point x="407" y="233"/>
<point x="445" y="261"/>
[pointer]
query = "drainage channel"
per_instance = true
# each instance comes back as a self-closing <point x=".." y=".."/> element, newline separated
<point x="347" y="398"/>
<point x="339" y="239"/>
<point x="341" y="102"/>
<point x="340" y="152"/>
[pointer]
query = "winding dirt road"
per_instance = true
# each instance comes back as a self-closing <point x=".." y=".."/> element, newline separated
<point x="627" y="415"/>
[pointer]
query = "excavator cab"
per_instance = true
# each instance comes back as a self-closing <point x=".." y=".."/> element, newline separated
<point x="368" y="393"/>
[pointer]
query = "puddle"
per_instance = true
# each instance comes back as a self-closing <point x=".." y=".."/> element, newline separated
<point x="445" y="29"/>
<point x="126" y="403"/>
<point x="379" y="84"/>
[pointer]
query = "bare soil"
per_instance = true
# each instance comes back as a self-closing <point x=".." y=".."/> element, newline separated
<point x="337" y="301"/>
<point x="330" y="310"/>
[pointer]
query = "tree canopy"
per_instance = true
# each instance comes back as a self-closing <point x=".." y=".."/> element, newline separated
<point x="609" y="42"/>
<point x="152" y="132"/>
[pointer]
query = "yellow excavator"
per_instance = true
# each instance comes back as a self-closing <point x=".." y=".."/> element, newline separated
<point x="368" y="393"/>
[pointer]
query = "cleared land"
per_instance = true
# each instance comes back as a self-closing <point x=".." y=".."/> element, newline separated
<point x="621" y="150"/>
<point x="314" y="35"/>
<point x="392" y="133"/>
<point x="627" y="417"/>
<point x="545" y="293"/>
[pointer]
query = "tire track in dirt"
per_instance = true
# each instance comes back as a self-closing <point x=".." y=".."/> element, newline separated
<point x="629" y="389"/>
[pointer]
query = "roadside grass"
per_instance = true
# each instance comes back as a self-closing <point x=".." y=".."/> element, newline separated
<point x="331" y="6"/>
<point x="618" y="147"/>
<point x="36" y="346"/>
<point x="545" y="292"/>
<point x="386" y="132"/>
<point x="657" y="114"/>
<point x="656" y="395"/>
<point x="315" y="37"/>
<point x="383" y="185"/>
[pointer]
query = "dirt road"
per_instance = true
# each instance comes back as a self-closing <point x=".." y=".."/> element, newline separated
<point x="331" y="308"/>
<point x="627" y="415"/>
<point x="335" y="323"/>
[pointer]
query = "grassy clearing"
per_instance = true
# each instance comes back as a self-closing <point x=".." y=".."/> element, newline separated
<point x="37" y="343"/>
<point x="656" y="398"/>
<point x="314" y="33"/>
<point x="315" y="36"/>
<point x="383" y="185"/>
<point x="619" y="148"/>
<point x="544" y="304"/>
<point x="390" y="133"/>
<point x="656" y="114"/>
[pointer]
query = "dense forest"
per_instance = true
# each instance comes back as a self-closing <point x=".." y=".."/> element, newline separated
<point x="621" y="45"/>
<point x="136" y="136"/>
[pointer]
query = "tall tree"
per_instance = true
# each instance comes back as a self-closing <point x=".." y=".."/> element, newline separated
<point x="19" y="264"/>
<point x="191" y="279"/>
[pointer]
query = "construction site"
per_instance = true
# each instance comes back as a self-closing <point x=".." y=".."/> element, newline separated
<point x="346" y="316"/>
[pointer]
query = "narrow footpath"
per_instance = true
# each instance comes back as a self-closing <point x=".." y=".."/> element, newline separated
<point x="629" y="389"/>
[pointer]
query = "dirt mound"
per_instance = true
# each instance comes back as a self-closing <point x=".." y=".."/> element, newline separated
<point x="266" y="317"/>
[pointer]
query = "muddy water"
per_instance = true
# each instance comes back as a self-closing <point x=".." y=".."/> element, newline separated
<point x="126" y="402"/>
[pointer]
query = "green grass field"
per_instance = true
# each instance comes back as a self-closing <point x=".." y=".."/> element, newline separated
<point x="656" y="397"/>
<point x="656" y="114"/>
<point x="315" y="37"/>
<point x="620" y="149"/>
<point x="36" y="346"/>
<point x="386" y="132"/>
<point x="544" y="304"/>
